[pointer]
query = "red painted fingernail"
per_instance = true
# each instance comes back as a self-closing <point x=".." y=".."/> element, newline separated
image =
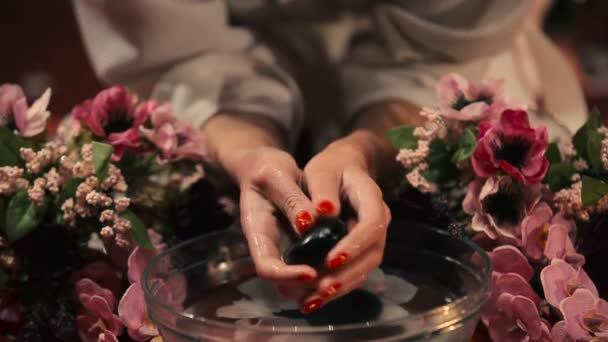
<point x="331" y="290"/>
<point x="325" y="208"/>
<point x="312" y="305"/>
<point x="303" y="221"/>
<point x="338" y="261"/>
<point x="305" y="277"/>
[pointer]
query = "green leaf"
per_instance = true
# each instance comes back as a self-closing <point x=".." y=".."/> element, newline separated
<point x="403" y="137"/>
<point x="466" y="146"/>
<point x="9" y="148"/>
<point x="594" y="150"/>
<point x="593" y="190"/>
<point x="587" y="141"/>
<point x="68" y="190"/>
<point x="559" y="176"/>
<point x="553" y="154"/>
<point x="138" y="230"/>
<point x="102" y="153"/>
<point x="23" y="216"/>
<point x="441" y="169"/>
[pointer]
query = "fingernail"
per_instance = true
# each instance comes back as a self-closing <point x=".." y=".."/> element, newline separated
<point x="337" y="261"/>
<point x="305" y="277"/>
<point x="331" y="290"/>
<point x="325" y="208"/>
<point x="303" y="221"/>
<point x="312" y="305"/>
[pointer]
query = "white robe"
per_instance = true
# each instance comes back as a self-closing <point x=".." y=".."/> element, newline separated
<point x="192" y="53"/>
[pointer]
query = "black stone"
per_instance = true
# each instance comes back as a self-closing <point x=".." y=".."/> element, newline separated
<point x="316" y="243"/>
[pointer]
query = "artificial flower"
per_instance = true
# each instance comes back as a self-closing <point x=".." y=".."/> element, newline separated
<point x="559" y="246"/>
<point x="132" y="311"/>
<point x="115" y="115"/>
<point x="512" y="283"/>
<point x="15" y="114"/>
<point x="512" y="146"/>
<point x="586" y="316"/>
<point x="98" y="318"/>
<point x="536" y="227"/>
<point x="518" y="319"/>
<point x="509" y="259"/>
<point x="499" y="204"/>
<point x="464" y="101"/>
<point x="174" y="139"/>
<point x="559" y="332"/>
<point x="102" y="274"/>
<point x="560" y="280"/>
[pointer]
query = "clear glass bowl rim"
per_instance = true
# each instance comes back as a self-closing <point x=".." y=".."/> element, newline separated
<point x="478" y="296"/>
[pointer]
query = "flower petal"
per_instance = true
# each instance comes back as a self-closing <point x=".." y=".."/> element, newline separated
<point x="575" y="306"/>
<point x="509" y="259"/>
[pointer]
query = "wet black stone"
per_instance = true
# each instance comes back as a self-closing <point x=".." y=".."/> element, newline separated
<point x="318" y="241"/>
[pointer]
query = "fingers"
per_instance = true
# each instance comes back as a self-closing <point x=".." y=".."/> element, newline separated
<point x="373" y="217"/>
<point x="324" y="188"/>
<point x="283" y="190"/>
<point x="263" y="235"/>
<point x="342" y="281"/>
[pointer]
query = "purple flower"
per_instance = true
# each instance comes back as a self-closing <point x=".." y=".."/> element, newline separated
<point x="98" y="322"/>
<point x="115" y="115"/>
<point x="499" y="205"/>
<point x="538" y="226"/>
<point x="15" y="114"/>
<point x="175" y="140"/>
<point x="512" y="146"/>
<point x="509" y="259"/>
<point x="463" y="101"/>
<point x="560" y="280"/>
<point x="585" y="316"/>
<point x="518" y="319"/>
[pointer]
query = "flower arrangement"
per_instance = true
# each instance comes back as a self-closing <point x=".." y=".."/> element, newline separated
<point x="530" y="203"/>
<point x="82" y="212"/>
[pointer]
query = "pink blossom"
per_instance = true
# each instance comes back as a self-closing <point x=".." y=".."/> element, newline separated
<point x="560" y="280"/>
<point x="114" y="115"/>
<point x="512" y="146"/>
<point x="15" y="113"/>
<point x="509" y="259"/>
<point x="559" y="246"/>
<point x="175" y="140"/>
<point x="512" y="283"/>
<point x="98" y="322"/>
<point x="464" y="101"/>
<point x="102" y="274"/>
<point x="498" y="205"/>
<point x="518" y="319"/>
<point x="559" y="332"/>
<point x="132" y="311"/>
<point x="536" y="228"/>
<point x="586" y="316"/>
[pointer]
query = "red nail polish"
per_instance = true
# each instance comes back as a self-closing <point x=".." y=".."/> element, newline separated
<point x="303" y="221"/>
<point x="331" y="290"/>
<point x="312" y="305"/>
<point x="338" y="261"/>
<point x="325" y="208"/>
<point x="305" y="277"/>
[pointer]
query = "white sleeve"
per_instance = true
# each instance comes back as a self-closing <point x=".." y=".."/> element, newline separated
<point x="186" y="52"/>
<point x="409" y="45"/>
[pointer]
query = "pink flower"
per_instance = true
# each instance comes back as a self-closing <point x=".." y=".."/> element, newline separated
<point x="559" y="332"/>
<point x="560" y="280"/>
<point x="98" y="322"/>
<point x="499" y="205"/>
<point x="559" y="246"/>
<point x="102" y="274"/>
<point x="512" y="283"/>
<point x="586" y="316"/>
<point x="15" y="113"/>
<point x="536" y="228"/>
<point x="175" y="140"/>
<point x="132" y="311"/>
<point x="114" y="115"/>
<point x="512" y="146"/>
<point x="509" y="259"/>
<point x="518" y="320"/>
<point x="460" y="100"/>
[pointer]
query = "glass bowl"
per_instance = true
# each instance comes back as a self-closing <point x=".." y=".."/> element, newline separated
<point x="187" y="286"/>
